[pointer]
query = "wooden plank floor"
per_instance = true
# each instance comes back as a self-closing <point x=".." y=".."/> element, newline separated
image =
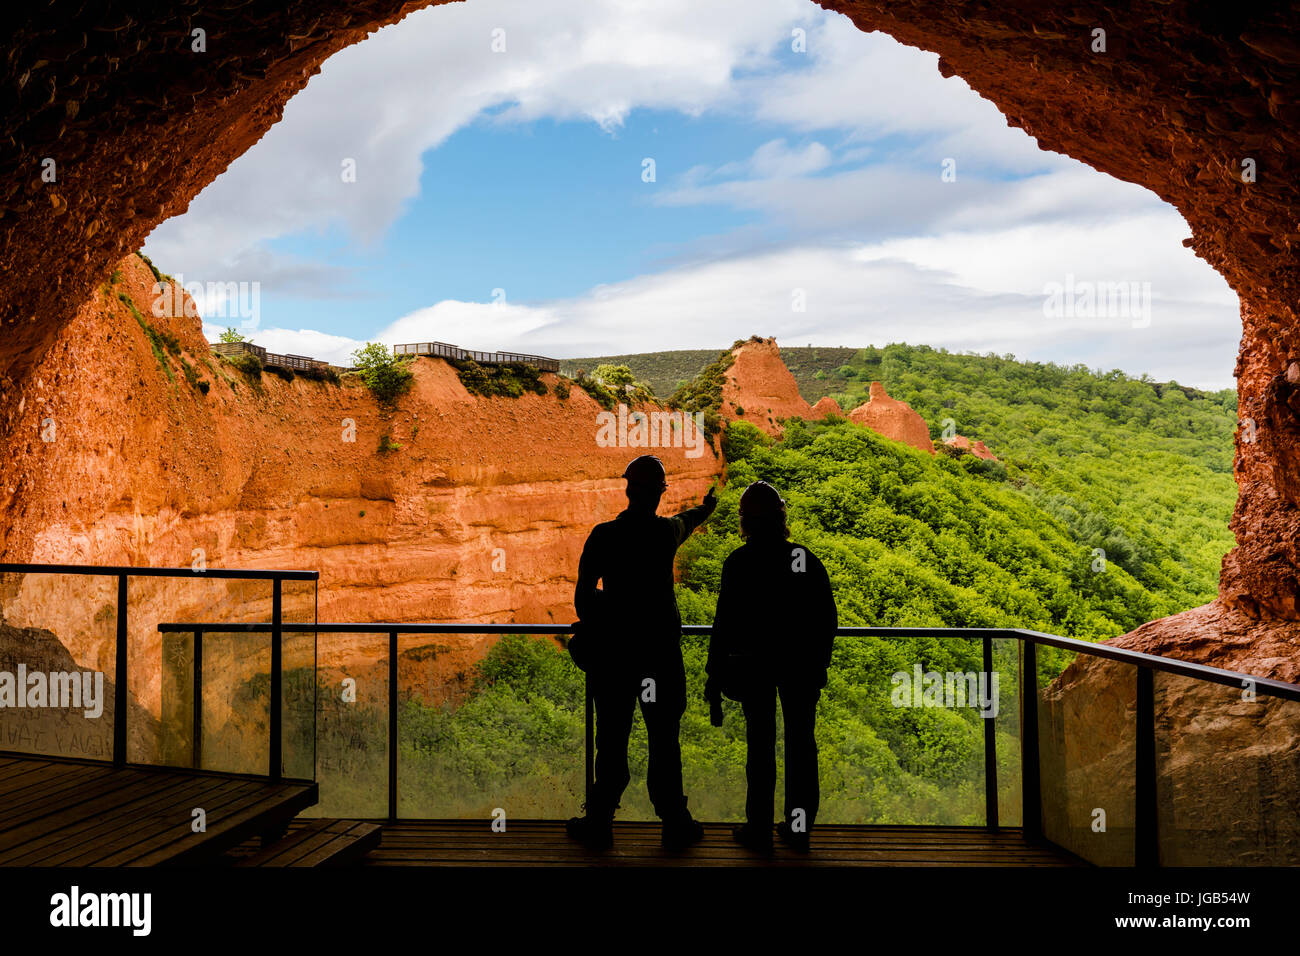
<point x="310" y="843"/>
<point x="544" y="843"/>
<point x="57" y="811"/>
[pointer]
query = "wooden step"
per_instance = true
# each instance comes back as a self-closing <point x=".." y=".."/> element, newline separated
<point x="318" y="843"/>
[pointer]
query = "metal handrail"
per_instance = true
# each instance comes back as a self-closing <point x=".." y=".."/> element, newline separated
<point x="252" y="574"/>
<point x="1170" y="665"/>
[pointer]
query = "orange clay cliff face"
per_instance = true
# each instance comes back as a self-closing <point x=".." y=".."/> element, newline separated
<point x="132" y="449"/>
<point x="976" y="448"/>
<point x="479" y="515"/>
<point x="827" y="406"/>
<point x="893" y="419"/>
<point x="759" y="389"/>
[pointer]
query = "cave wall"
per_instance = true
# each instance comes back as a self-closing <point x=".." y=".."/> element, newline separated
<point x="137" y="124"/>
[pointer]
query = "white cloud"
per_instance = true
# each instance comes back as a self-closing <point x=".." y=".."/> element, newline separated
<point x="775" y="160"/>
<point x="385" y="102"/>
<point x="875" y="86"/>
<point x="918" y="291"/>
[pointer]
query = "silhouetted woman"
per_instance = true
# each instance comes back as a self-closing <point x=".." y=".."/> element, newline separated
<point x="772" y="636"/>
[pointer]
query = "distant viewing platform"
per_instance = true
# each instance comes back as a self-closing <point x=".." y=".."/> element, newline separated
<point x="297" y="363"/>
<point x="447" y="351"/>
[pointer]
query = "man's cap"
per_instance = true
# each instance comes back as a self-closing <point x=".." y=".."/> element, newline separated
<point x="646" y="470"/>
<point x="761" y="499"/>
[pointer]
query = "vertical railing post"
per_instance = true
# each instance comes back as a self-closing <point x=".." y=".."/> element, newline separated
<point x="277" y="702"/>
<point x="589" y="746"/>
<point x="196" y="747"/>
<point x="119" y="678"/>
<point x="1146" y="850"/>
<point x="990" y="746"/>
<point x="1031" y="798"/>
<point x="392" y="726"/>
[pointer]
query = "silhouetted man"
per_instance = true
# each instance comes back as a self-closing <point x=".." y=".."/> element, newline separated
<point x="772" y="635"/>
<point x="635" y="616"/>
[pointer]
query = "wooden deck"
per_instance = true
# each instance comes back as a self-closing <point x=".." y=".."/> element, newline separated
<point x="312" y="843"/>
<point x="57" y="811"/>
<point x="472" y="843"/>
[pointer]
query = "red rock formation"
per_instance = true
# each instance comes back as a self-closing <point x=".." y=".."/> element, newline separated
<point x="893" y="419"/>
<point x="759" y="389"/>
<point x="827" y="406"/>
<point x="976" y="448"/>
<point x="1182" y="96"/>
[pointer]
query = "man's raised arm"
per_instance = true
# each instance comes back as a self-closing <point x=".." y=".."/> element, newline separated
<point x="692" y="518"/>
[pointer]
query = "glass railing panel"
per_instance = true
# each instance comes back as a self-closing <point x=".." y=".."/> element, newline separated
<point x="235" y="716"/>
<point x="298" y="684"/>
<point x="1086" y="732"/>
<point x="234" y="672"/>
<point x="63" y="625"/>
<point x="900" y="731"/>
<point x="489" y="723"/>
<point x="1006" y="725"/>
<point x="713" y="758"/>
<point x="1226" y="775"/>
<point x="887" y="753"/>
<point x="351" y="694"/>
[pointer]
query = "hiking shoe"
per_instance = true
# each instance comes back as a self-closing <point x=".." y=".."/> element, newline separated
<point x="798" y="842"/>
<point x="679" y="834"/>
<point x="757" y="839"/>
<point x="595" y="833"/>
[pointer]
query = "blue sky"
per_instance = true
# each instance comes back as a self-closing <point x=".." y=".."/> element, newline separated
<point x="781" y="177"/>
<point x="544" y="210"/>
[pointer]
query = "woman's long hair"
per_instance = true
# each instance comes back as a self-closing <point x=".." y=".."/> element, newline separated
<point x="762" y="514"/>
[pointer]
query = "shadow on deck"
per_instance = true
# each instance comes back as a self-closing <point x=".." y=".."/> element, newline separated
<point x="544" y="843"/>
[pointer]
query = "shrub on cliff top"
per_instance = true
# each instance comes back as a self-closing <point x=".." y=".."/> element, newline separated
<point x="509" y="380"/>
<point x="385" y="374"/>
<point x="248" y="363"/>
<point x="611" y="384"/>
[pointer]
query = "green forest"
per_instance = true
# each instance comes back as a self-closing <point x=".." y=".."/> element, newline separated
<point x="1108" y="507"/>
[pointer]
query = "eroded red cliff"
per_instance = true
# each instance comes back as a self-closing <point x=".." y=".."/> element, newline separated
<point x="826" y="406"/>
<point x="759" y="389"/>
<point x="893" y="419"/>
